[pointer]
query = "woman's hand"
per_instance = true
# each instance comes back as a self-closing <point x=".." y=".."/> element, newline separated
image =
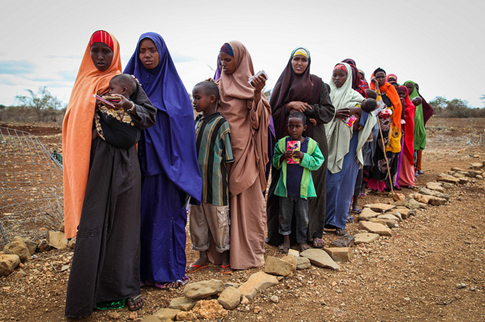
<point x="123" y="103"/>
<point x="298" y="106"/>
<point x="258" y="83"/>
<point x="342" y="113"/>
<point x="374" y="80"/>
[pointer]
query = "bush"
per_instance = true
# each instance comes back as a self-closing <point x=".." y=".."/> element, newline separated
<point x="455" y="108"/>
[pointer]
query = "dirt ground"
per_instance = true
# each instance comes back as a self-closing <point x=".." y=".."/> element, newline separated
<point x="411" y="276"/>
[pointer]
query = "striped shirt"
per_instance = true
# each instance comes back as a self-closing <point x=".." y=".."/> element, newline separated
<point x="214" y="151"/>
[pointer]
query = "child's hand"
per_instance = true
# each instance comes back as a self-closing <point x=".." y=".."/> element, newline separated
<point x="298" y="154"/>
<point x="313" y="121"/>
<point x="288" y="154"/>
<point x="123" y="103"/>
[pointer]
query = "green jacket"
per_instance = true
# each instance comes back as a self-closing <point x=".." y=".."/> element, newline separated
<point x="312" y="160"/>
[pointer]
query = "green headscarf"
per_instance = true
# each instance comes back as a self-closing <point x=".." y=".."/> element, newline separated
<point x="419" y="130"/>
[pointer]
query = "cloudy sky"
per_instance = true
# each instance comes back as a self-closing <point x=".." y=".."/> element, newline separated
<point x="435" y="43"/>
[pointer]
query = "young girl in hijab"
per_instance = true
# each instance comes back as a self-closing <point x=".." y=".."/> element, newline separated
<point x="406" y="173"/>
<point x="345" y="144"/>
<point x="168" y="162"/>
<point x="246" y="109"/>
<point x="102" y="186"/>
<point x="389" y="143"/>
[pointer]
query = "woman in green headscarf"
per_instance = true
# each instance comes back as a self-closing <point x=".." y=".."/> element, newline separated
<point x="419" y="129"/>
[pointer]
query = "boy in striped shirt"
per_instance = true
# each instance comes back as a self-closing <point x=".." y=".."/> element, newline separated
<point x="211" y="218"/>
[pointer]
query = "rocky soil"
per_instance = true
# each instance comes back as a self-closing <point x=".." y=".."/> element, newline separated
<point x="431" y="268"/>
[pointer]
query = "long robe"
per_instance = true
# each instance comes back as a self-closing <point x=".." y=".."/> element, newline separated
<point x="105" y="266"/>
<point x="169" y="165"/>
<point x="249" y="122"/>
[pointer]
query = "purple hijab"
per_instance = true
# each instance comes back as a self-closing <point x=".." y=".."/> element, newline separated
<point x="170" y="144"/>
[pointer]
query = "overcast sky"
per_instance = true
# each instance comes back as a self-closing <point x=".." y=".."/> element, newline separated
<point x="438" y="44"/>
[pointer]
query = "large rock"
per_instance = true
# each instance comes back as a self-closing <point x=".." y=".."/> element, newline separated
<point x="389" y="220"/>
<point x="344" y="241"/>
<point x="293" y="252"/>
<point x="57" y="239"/>
<point x="31" y="245"/>
<point x="447" y="178"/>
<point x="420" y="198"/>
<point x="375" y="228"/>
<point x="209" y="310"/>
<point x="303" y="263"/>
<point x="340" y="254"/>
<point x="203" y="289"/>
<point x="456" y="169"/>
<point x="43" y="245"/>
<point x="367" y="214"/>
<point x="382" y="222"/>
<point x="389" y="216"/>
<point x="398" y="196"/>
<point x="18" y="247"/>
<point x="436" y="186"/>
<point x="186" y="316"/>
<point x="276" y="266"/>
<point x="476" y="166"/>
<point x="166" y="313"/>
<point x="320" y="258"/>
<point x="290" y="259"/>
<point x="379" y="207"/>
<point x="365" y="238"/>
<point x="435" y="201"/>
<point x="412" y="204"/>
<point x="257" y="282"/>
<point x="182" y="303"/>
<point x="230" y="298"/>
<point x="399" y="203"/>
<point x="435" y="193"/>
<point x="8" y="263"/>
<point x="403" y="212"/>
<point x="474" y="173"/>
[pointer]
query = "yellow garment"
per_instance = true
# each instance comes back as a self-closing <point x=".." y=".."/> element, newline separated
<point x="394" y="144"/>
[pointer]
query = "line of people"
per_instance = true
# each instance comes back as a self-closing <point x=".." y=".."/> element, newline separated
<point x="134" y="160"/>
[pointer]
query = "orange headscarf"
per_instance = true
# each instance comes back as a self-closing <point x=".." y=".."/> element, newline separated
<point x="394" y="144"/>
<point x="77" y="129"/>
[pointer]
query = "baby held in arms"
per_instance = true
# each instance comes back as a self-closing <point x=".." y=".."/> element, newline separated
<point x="114" y="125"/>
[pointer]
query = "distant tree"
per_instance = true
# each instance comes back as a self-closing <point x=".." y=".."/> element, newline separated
<point x="483" y="99"/>
<point x="2" y="107"/>
<point x="41" y="101"/>
<point x="439" y="103"/>
<point x="458" y="108"/>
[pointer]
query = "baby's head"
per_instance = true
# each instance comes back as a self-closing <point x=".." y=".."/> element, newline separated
<point x="371" y="94"/>
<point x="123" y="84"/>
<point x="368" y="105"/>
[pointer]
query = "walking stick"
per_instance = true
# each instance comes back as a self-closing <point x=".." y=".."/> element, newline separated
<point x="387" y="161"/>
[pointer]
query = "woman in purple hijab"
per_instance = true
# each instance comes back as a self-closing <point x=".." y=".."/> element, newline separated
<point x="168" y="160"/>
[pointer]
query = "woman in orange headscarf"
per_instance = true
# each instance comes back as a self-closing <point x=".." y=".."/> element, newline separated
<point x="389" y="144"/>
<point x="248" y="112"/>
<point x="102" y="189"/>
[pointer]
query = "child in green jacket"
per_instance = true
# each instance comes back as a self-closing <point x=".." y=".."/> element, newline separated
<point x="296" y="156"/>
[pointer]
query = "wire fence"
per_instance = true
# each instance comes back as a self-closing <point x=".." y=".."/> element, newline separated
<point x="31" y="191"/>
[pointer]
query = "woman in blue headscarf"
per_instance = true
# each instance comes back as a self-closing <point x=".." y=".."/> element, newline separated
<point x="168" y="160"/>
